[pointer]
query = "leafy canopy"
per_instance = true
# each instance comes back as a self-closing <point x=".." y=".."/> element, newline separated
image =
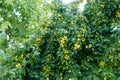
<point x="48" y="41"/>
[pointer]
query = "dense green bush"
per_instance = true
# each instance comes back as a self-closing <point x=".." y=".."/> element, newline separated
<point x="54" y="41"/>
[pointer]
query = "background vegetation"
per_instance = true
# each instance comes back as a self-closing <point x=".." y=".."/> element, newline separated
<point x="40" y="40"/>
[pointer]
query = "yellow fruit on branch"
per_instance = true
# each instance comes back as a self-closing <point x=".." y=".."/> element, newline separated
<point x="103" y="5"/>
<point x="118" y="13"/>
<point x="46" y="69"/>
<point x="118" y="54"/>
<point x="72" y="23"/>
<point x="62" y="41"/>
<point x="18" y="65"/>
<point x="76" y="46"/>
<point x="111" y="58"/>
<point x="102" y="64"/>
<point x="17" y="59"/>
<point x="83" y="30"/>
<point x="90" y="46"/>
<point x="66" y="57"/>
<point x="59" y="16"/>
<point x="47" y="79"/>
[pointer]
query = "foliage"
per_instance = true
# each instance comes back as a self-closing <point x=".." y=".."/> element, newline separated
<point x="54" y="41"/>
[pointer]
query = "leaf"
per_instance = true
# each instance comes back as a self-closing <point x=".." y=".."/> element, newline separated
<point x="36" y="52"/>
<point x="3" y="54"/>
<point x="13" y="71"/>
<point x="5" y="25"/>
